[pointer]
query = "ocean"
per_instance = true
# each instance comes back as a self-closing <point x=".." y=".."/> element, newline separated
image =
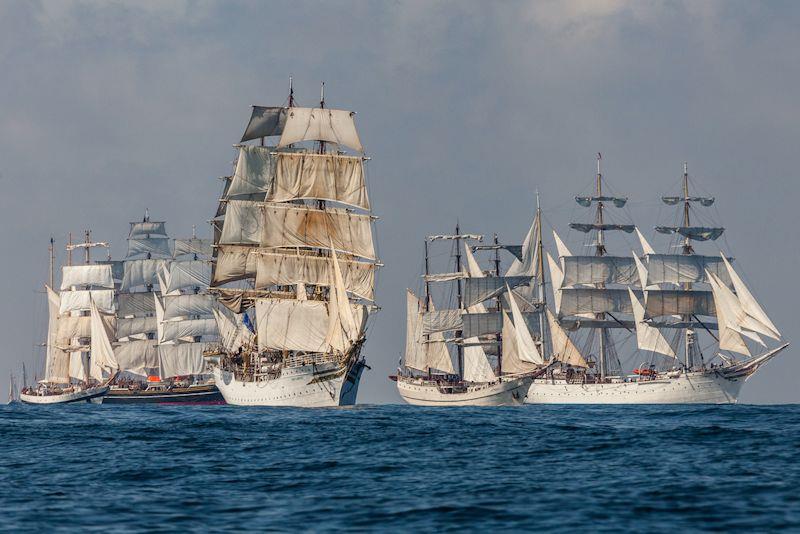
<point x="399" y="468"/>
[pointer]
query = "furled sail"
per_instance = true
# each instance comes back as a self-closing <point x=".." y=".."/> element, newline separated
<point x="648" y="338"/>
<point x="320" y="124"/>
<point x="445" y="277"/>
<point x="265" y="122"/>
<point x="671" y="201"/>
<point x="749" y="303"/>
<point x="255" y="170"/>
<point x="598" y="270"/>
<point x="182" y="359"/>
<point x="96" y="276"/>
<point x="697" y="233"/>
<point x="141" y="272"/>
<point x="564" y="350"/>
<point x="243" y="223"/>
<point x="587" y="227"/>
<point x="187" y="274"/>
<point x="300" y="226"/>
<point x="80" y="300"/>
<point x="291" y="269"/>
<point x="619" y="202"/>
<point x="320" y="177"/>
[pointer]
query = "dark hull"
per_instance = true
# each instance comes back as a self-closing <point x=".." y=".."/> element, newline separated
<point x="198" y="395"/>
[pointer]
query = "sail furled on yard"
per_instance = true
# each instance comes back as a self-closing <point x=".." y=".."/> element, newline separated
<point x="696" y="233"/>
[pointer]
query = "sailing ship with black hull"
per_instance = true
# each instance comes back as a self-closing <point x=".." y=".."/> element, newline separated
<point x="295" y="260"/>
<point x="692" y="321"/>
<point x="165" y="319"/>
<point x="79" y="357"/>
<point x="476" y="353"/>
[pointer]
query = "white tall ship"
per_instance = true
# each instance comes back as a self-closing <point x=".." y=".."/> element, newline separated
<point x="295" y="260"/>
<point x="686" y="320"/>
<point x="79" y="356"/>
<point x="476" y="353"/>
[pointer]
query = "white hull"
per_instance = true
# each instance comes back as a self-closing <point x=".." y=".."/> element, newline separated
<point x="94" y="395"/>
<point x="708" y="387"/>
<point x="506" y="393"/>
<point x="308" y="386"/>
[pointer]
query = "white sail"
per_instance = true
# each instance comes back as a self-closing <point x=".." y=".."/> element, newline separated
<point x="526" y="347"/>
<point x="473" y="268"/>
<point x="414" y="357"/>
<point x="512" y="363"/>
<point x="243" y="223"/>
<point x="190" y="305"/>
<point x="175" y="330"/>
<point x="735" y="314"/>
<point x="234" y="263"/>
<point x="232" y="331"/>
<point x="293" y="325"/>
<point x="135" y="304"/>
<point x="56" y="368"/>
<point x="585" y="300"/>
<point x="557" y="276"/>
<point x="138" y="357"/>
<point x="194" y="246"/>
<point x="141" y="272"/>
<point x="564" y="350"/>
<point x="749" y="303"/>
<point x="684" y="268"/>
<point x="663" y="302"/>
<point x="476" y="364"/>
<point x="265" y="122"/>
<point x="644" y="275"/>
<point x="79" y="365"/>
<point x="183" y="274"/>
<point x="320" y="177"/>
<point x="156" y="247"/>
<point x="96" y="276"/>
<point x="300" y="226"/>
<point x="646" y="248"/>
<point x="529" y="263"/>
<point x="135" y="326"/>
<point x="291" y="269"/>
<point x="598" y="270"/>
<point x="344" y="310"/>
<point x="75" y="326"/>
<point x="79" y="300"/>
<point x="103" y="361"/>
<point x="729" y="338"/>
<point x="648" y="338"/>
<point x="560" y="246"/>
<point x="182" y="359"/>
<point x="318" y="124"/>
<point x="255" y="169"/>
<point x="147" y="229"/>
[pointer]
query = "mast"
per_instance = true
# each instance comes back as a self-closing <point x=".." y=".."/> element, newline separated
<point x="687" y="249"/>
<point x="459" y="347"/>
<point x="291" y="94"/>
<point x="499" y="305"/>
<point x="540" y="267"/>
<point x="69" y="249"/>
<point x="52" y="251"/>
<point x="427" y="282"/>
<point x="600" y="251"/>
<point x="87" y="234"/>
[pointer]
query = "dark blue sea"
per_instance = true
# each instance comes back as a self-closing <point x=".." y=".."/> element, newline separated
<point x="399" y="468"/>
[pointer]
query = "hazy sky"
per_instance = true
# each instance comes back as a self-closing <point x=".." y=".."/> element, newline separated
<point x="467" y="108"/>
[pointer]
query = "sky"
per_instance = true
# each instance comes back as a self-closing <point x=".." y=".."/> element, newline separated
<point x="467" y="109"/>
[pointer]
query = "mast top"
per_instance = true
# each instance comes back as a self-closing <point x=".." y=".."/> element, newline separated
<point x="291" y="93"/>
<point x="322" y="95"/>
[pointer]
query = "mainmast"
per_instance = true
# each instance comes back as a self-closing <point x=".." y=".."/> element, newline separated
<point x="52" y="251"/>
<point x="689" y="335"/>
<point x="540" y="267"/>
<point x="459" y="347"/>
<point x="600" y="251"/>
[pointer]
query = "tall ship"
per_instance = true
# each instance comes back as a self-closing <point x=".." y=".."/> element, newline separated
<point x="164" y="319"/>
<point x="295" y="260"/>
<point x="486" y="347"/>
<point x="79" y="355"/>
<point x="684" y="321"/>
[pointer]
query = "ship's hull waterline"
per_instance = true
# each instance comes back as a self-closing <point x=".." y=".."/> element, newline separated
<point x="94" y="395"/>
<point x="308" y="386"/>
<point x="207" y="394"/>
<point x="693" y="388"/>
<point x="505" y="393"/>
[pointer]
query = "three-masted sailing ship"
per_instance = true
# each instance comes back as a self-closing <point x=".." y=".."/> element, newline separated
<point x="165" y="319"/>
<point x="295" y="260"/>
<point x="693" y="321"/>
<point x="475" y="353"/>
<point x="79" y="356"/>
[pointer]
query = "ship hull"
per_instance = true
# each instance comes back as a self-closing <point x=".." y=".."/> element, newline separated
<point x="93" y="395"/>
<point x="506" y="393"/>
<point x="307" y="386"/>
<point x="689" y="388"/>
<point x="207" y="394"/>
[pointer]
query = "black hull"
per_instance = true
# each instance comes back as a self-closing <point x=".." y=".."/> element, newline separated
<point x="204" y="396"/>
